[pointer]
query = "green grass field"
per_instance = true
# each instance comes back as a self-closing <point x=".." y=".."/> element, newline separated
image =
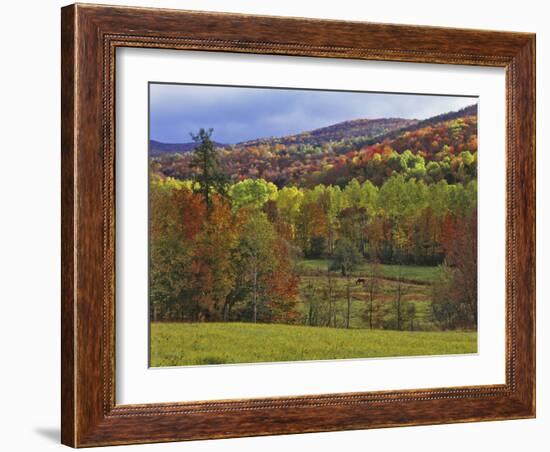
<point x="179" y="344"/>
<point x="419" y="273"/>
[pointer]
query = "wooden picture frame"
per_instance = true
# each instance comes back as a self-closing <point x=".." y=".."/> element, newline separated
<point x="90" y="36"/>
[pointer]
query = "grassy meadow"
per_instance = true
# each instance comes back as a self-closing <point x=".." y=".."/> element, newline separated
<point x="415" y="273"/>
<point x="179" y="344"/>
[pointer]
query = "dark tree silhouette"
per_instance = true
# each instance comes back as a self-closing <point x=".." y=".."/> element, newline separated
<point x="205" y="162"/>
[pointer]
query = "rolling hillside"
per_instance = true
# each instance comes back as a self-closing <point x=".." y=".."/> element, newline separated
<point x="441" y="147"/>
<point x="346" y="130"/>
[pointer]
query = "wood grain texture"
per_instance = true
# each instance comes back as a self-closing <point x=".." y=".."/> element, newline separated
<point x="68" y="244"/>
<point x="90" y="36"/>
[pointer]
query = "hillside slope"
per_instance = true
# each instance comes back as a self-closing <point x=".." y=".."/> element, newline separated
<point x="346" y="130"/>
<point x="441" y="147"/>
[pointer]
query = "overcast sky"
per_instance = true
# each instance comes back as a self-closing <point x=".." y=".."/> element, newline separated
<point x="239" y="114"/>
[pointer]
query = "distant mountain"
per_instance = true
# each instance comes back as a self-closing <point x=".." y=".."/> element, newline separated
<point x="346" y="130"/>
<point x="440" y="147"/>
<point x="157" y="148"/>
<point x="360" y="131"/>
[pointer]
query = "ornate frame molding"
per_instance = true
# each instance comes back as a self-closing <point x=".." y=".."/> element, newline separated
<point x="90" y="37"/>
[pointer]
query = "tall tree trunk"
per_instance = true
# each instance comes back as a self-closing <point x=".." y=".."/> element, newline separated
<point x="348" y="296"/>
<point x="371" y="296"/>
<point x="330" y="307"/>
<point x="399" y="301"/>
<point x="226" y="311"/>
<point x="330" y="239"/>
<point x="255" y="292"/>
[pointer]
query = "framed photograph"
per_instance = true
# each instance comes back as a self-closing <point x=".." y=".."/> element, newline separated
<point x="280" y="225"/>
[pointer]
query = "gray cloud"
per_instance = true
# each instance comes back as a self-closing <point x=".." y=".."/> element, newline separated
<point x="239" y="114"/>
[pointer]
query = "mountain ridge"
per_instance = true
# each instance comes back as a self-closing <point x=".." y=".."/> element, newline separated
<point x="341" y="130"/>
<point x="158" y="148"/>
<point x="441" y="147"/>
<point x="375" y="130"/>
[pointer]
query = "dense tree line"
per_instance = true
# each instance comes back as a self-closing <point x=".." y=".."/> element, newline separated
<point x="445" y="150"/>
<point x="224" y="250"/>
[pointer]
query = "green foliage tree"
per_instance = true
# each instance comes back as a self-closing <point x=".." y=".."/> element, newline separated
<point x="353" y="226"/>
<point x="251" y="193"/>
<point x="289" y="201"/>
<point x="205" y="161"/>
<point x="256" y="244"/>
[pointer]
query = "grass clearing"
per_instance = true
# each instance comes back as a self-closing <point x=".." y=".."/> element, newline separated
<point x="419" y="273"/>
<point x="417" y="289"/>
<point x="180" y="344"/>
<point x="418" y="294"/>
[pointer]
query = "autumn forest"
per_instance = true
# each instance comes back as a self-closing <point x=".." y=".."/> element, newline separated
<point x="361" y="236"/>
